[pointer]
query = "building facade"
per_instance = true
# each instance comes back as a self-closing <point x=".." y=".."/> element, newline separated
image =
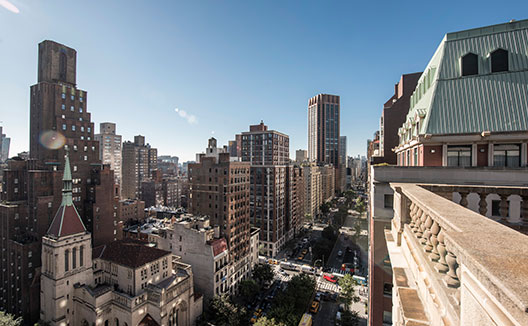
<point x="324" y="131"/>
<point x="446" y="127"/>
<point x="268" y="153"/>
<point x="110" y="148"/>
<point x="4" y="146"/>
<point x="139" y="161"/>
<point x="31" y="191"/>
<point x="220" y="189"/>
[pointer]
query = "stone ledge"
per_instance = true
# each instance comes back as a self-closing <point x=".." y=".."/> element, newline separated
<point x="412" y="307"/>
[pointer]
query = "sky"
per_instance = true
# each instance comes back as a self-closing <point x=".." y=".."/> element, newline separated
<point x="180" y="72"/>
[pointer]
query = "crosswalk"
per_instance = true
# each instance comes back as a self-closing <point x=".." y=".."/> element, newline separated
<point x="323" y="285"/>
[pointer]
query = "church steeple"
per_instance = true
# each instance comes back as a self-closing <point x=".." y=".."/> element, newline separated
<point x="67" y="220"/>
<point x="67" y="184"/>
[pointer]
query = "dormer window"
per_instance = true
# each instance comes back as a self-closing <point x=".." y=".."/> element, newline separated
<point x="469" y="64"/>
<point x="499" y="60"/>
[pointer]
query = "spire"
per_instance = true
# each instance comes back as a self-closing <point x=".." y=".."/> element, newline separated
<point x="67" y="199"/>
<point x="67" y="220"/>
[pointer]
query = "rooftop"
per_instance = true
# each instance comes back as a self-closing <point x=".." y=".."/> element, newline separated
<point x="130" y="253"/>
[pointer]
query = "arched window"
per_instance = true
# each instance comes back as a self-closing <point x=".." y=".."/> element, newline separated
<point x="470" y="64"/>
<point x="74" y="258"/>
<point x="106" y="323"/>
<point x="81" y="256"/>
<point x="499" y="60"/>
<point x="66" y="260"/>
<point x="62" y="65"/>
<point x="116" y="322"/>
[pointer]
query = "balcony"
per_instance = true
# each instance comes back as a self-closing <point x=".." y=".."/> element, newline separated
<point x="452" y="265"/>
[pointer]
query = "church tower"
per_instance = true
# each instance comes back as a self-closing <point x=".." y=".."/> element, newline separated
<point x="66" y="259"/>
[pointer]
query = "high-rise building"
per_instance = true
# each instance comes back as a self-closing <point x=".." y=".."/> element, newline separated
<point x="220" y="190"/>
<point x="323" y="130"/>
<point x="168" y="165"/>
<point x="31" y="191"/>
<point x="139" y="161"/>
<point x="301" y="155"/>
<point x="342" y="162"/>
<point x="313" y="185"/>
<point x="110" y="149"/>
<point x="268" y="153"/>
<point x="4" y="146"/>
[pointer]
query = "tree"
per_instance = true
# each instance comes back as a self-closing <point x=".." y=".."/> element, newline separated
<point x="263" y="273"/>
<point x="349" y="318"/>
<point x="348" y="285"/>
<point x="9" y="320"/>
<point x="325" y="208"/>
<point x="222" y="312"/>
<point x="264" y="321"/>
<point x="329" y="233"/>
<point x="248" y="290"/>
<point x="289" y="305"/>
<point x="360" y="205"/>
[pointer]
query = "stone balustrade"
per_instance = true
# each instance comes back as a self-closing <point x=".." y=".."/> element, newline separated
<point x="454" y="266"/>
<point x="511" y="202"/>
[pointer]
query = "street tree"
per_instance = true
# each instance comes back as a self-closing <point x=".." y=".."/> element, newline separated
<point x="249" y="289"/>
<point x="264" y="321"/>
<point x="223" y="312"/>
<point x="289" y="305"/>
<point x="349" y="318"/>
<point x="263" y="273"/>
<point x="9" y="320"/>
<point x="348" y="293"/>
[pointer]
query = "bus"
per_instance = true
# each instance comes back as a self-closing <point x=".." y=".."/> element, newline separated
<point x="307" y="269"/>
<point x="289" y="266"/>
<point x="306" y="320"/>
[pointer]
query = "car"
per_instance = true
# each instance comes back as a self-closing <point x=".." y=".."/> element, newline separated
<point x="334" y="297"/>
<point x="318" y="296"/>
<point x="301" y="257"/>
<point x="340" y="253"/>
<point x="330" y="278"/>
<point x="315" y="307"/>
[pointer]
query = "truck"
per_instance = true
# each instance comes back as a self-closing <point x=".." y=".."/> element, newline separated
<point x="289" y="266"/>
<point x="306" y="320"/>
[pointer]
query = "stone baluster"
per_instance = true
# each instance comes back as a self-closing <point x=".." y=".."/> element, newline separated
<point x="417" y="221"/>
<point x="451" y="278"/>
<point x="504" y="207"/>
<point x="463" y="198"/>
<point x="441" y="266"/>
<point x="435" y="229"/>
<point x="427" y="234"/>
<point x="524" y="210"/>
<point x="483" y="205"/>
<point x="412" y="214"/>
<point x="423" y="219"/>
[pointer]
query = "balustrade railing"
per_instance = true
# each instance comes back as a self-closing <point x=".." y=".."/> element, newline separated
<point x="445" y="239"/>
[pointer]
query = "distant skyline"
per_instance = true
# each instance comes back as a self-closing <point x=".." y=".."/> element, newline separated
<point x="181" y="72"/>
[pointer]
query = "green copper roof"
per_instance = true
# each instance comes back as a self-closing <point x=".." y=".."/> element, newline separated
<point x="496" y="102"/>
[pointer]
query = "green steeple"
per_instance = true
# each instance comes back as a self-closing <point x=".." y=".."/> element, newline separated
<point x="67" y="199"/>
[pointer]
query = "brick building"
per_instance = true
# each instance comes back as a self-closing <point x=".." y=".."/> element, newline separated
<point x="220" y="190"/>
<point x="139" y="161"/>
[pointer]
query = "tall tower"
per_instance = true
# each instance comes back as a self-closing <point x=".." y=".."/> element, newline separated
<point x="60" y="121"/>
<point x="323" y="130"/>
<point x="110" y="148"/>
<point x="66" y="258"/>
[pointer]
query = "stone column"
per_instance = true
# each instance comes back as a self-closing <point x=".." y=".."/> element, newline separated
<point x="483" y="205"/>
<point x="504" y="208"/>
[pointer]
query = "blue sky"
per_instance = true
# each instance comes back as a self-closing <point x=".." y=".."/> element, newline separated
<point x="228" y="64"/>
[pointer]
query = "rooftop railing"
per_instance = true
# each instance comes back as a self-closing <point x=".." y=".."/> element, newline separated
<point x="455" y="266"/>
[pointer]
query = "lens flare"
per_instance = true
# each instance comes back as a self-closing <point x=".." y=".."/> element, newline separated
<point x="52" y="139"/>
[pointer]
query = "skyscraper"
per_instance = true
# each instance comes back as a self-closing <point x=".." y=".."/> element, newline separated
<point x="323" y="130"/>
<point x="138" y="162"/>
<point x="220" y="190"/>
<point x="59" y="121"/>
<point x="4" y="146"/>
<point x="268" y="151"/>
<point x="110" y="148"/>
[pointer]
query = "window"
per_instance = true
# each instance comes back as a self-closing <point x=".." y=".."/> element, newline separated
<point x="63" y="126"/>
<point x="388" y="201"/>
<point x="66" y="260"/>
<point x="74" y="258"/>
<point x="63" y="107"/>
<point x="73" y="128"/>
<point x="387" y="289"/>
<point x="73" y="97"/>
<point x="506" y="155"/>
<point x="72" y="108"/>
<point x="415" y="157"/>
<point x="81" y="256"/>
<point x="470" y="64"/>
<point x="63" y="96"/>
<point x="80" y="110"/>
<point x="458" y="155"/>
<point x="499" y="60"/>
<point x="80" y="99"/>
